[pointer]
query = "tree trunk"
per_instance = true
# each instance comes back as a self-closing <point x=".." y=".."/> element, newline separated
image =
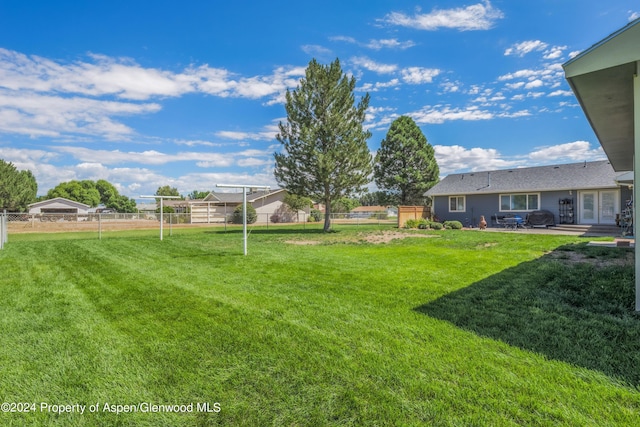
<point x="327" y="215"/>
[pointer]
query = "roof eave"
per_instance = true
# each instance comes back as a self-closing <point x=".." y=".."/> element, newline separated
<point x="601" y="77"/>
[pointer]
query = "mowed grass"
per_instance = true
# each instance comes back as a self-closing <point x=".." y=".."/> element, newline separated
<point x="463" y="328"/>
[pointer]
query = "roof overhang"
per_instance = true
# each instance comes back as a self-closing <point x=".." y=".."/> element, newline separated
<point x="625" y="179"/>
<point x="602" y="78"/>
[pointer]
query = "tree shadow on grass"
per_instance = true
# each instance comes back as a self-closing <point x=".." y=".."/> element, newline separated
<point x="569" y="305"/>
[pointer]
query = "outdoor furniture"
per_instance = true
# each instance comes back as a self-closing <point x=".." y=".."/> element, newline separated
<point x="510" y="222"/>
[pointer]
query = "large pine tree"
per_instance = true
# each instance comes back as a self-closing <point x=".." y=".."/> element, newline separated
<point x="325" y="154"/>
<point x="405" y="165"/>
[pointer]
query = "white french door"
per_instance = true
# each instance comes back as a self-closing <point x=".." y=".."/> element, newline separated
<point x="599" y="207"/>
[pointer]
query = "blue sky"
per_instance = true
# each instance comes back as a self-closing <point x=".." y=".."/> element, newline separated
<point x="189" y="94"/>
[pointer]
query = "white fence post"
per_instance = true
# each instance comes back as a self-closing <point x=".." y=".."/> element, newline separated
<point x="4" y="233"/>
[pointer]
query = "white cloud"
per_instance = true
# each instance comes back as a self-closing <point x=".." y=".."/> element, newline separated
<point x="316" y="50"/>
<point x="521" y="49"/>
<point x="133" y="181"/>
<point x="149" y="157"/>
<point x="520" y="74"/>
<point x="389" y="44"/>
<point x="515" y="86"/>
<point x="418" y="75"/>
<point x="571" y="151"/>
<point x="561" y="93"/>
<point x="450" y="87"/>
<point x="42" y="97"/>
<point x="534" y="84"/>
<point x="44" y="115"/>
<point x="125" y="79"/>
<point x="440" y="114"/>
<point x="104" y="76"/>
<point x="374" y="87"/>
<point x="376" y="44"/>
<point x="573" y="54"/>
<point x="633" y="15"/>
<point x="555" y="52"/>
<point x="268" y="133"/>
<point x="371" y="65"/>
<point x="253" y="162"/>
<point x="456" y="158"/>
<point x="481" y="16"/>
<point x="197" y="142"/>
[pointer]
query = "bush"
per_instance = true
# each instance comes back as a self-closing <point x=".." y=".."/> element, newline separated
<point x="252" y="216"/>
<point x="454" y="225"/>
<point x="416" y="223"/>
<point x="315" y="215"/>
<point x="436" y="226"/>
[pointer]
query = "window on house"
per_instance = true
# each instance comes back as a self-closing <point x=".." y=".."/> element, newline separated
<point x="519" y="202"/>
<point x="456" y="204"/>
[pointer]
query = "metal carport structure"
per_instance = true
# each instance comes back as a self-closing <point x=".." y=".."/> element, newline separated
<point x="605" y="80"/>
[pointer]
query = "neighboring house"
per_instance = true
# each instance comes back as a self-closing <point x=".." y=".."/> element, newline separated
<point x="59" y="205"/>
<point x="217" y="206"/>
<point x="576" y="193"/>
<point x="373" y="211"/>
<point x="147" y="207"/>
<point x="179" y="206"/>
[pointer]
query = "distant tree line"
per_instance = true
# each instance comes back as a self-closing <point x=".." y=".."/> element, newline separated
<point x="93" y="193"/>
<point x="18" y="189"/>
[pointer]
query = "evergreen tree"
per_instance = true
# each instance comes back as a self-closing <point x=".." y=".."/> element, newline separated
<point x="405" y="165"/>
<point x="376" y="198"/>
<point x="17" y="188"/>
<point x="325" y="154"/>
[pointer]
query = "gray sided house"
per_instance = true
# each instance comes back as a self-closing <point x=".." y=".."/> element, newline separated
<point x="576" y="193"/>
<point x="268" y="205"/>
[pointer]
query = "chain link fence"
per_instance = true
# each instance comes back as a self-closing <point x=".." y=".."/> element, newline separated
<point x="26" y="223"/>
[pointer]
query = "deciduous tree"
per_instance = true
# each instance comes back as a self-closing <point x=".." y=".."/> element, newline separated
<point x="325" y="154"/>
<point x="17" y="188"/>
<point x="93" y="193"/>
<point x="195" y="194"/>
<point x="166" y="190"/>
<point x="297" y="203"/>
<point x="80" y="191"/>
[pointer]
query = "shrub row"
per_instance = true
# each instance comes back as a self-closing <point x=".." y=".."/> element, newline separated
<point x="433" y="225"/>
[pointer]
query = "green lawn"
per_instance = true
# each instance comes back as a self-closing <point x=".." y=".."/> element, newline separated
<point x="464" y="328"/>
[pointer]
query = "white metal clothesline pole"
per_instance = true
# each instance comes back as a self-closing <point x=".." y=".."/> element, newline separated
<point x="161" y="202"/>
<point x="244" y="206"/>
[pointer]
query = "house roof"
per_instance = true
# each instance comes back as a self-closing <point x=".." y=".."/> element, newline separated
<point x="147" y="206"/>
<point x="59" y="200"/>
<point x="175" y="202"/>
<point x="602" y="78"/>
<point x="573" y="176"/>
<point x="237" y="197"/>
